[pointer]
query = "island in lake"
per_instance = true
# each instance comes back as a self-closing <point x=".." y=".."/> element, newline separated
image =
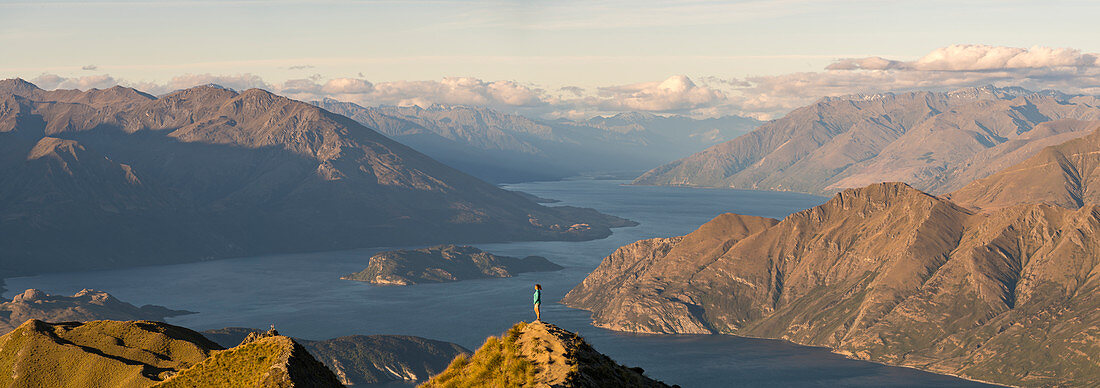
<point x="444" y="263"/>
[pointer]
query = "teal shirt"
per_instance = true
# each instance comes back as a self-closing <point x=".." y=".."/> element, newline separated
<point x="538" y="296"/>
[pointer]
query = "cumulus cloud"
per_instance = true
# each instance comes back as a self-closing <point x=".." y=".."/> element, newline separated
<point x="982" y="57"/>
<point x="976" y="57"/>
<point x="54" y="81"/>
<point x="1036" y="68"/>
<point x="456" y="91"/>
<point x="677" y="93"/>
<point x="347" y="86"/>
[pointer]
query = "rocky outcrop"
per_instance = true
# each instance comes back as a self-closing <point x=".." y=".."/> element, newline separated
<point x="885" y="273"/>
<point x="86" y="305"/>
<point x="444" y="263"/>
<point x="539" y="354"/>
<point x="208" y="172"/>
<point x="366" y="359"/>
<point x="937" y="142"/>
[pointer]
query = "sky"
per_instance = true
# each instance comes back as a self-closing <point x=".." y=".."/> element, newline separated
<point x="557" y="58"/>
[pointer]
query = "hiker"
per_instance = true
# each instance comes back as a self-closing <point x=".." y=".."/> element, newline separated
<point x="538" y="300"/>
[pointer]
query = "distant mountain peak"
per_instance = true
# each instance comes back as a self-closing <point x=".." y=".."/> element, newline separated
<point x="987" y="91"/>
<point x="18" y="86"/>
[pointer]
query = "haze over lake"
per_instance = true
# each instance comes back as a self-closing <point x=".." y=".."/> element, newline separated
<point x="303" y="296"/>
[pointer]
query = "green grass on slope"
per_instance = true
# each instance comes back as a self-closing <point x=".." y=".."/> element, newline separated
<point x="497" y="363"/>
<point x="97" y="354"/>
<point x="244" y="366"/>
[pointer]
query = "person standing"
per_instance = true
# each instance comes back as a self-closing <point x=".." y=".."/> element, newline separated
<point x="538" y="301"/>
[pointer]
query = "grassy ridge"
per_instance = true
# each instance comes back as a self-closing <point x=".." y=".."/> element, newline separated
<point x="498" y="363"/>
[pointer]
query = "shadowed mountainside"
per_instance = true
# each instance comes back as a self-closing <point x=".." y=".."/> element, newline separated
<point x="539" y="354"/>
<point x="86" y="305"/>
<point x="366" y="359"/>
<point x="206" y="172"/>
<point x="444" y="263"/>
<point x="937" y="142"/>
<point x="885" y="273"/>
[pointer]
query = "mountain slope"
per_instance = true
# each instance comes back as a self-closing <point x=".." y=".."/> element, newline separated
<point x="86" y="305"/>
<point x="538" y="354"/>
<point x="885" y="273"/>
<point x="366" y="359"/>
<point x="937" y="142"/>
<point x="208" y="172"/>
<point x="265" y="360"/>
<point x="100" y="353"/>
<point x="1062" y="175"/>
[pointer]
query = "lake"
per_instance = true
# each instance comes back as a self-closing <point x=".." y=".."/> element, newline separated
<point x="303" y="296"/>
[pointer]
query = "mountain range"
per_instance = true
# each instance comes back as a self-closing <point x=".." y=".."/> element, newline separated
<point x="889" y="273"/>
<point x="935" y="141"/>
<point x="502" y="147"/>
<point x="117" y="177"/>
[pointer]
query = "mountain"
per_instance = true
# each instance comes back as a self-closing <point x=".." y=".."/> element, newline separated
<point x="261" y="360"/>
<point x="681" y="133"/>
<point x="444" y="263"/>
<point x="885" y="273"/>
<point x="1059" y="175"/>
<point x="366" y="359"/>
<point x="539" y="354"/>
<point x="86" y="305"/>
<point x="937" y="142"/>
<point x="98" y="354"/>
<point x="504" y="147"/>
<point x="116" y="177"/>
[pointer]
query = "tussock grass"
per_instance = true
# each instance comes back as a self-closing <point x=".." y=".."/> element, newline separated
<point x="244" y="366"/>
<point x="498" y="363"/>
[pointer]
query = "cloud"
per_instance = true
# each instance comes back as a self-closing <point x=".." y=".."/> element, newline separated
<point x="975" y="57"/>
<point x="576" y="91"/>
<point x="347" y="86"/>
<point x="456" y="91"/>
<point x="236" y="81"/>
<point x="982" y="58"/>
<point x="869" y="63"/>
<point x="677" y="93"/>
<point x="952" y="67"/>
<point x="54" y="81"/>
<point x="90" y="67"/>
<point x="300" y="67"/>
